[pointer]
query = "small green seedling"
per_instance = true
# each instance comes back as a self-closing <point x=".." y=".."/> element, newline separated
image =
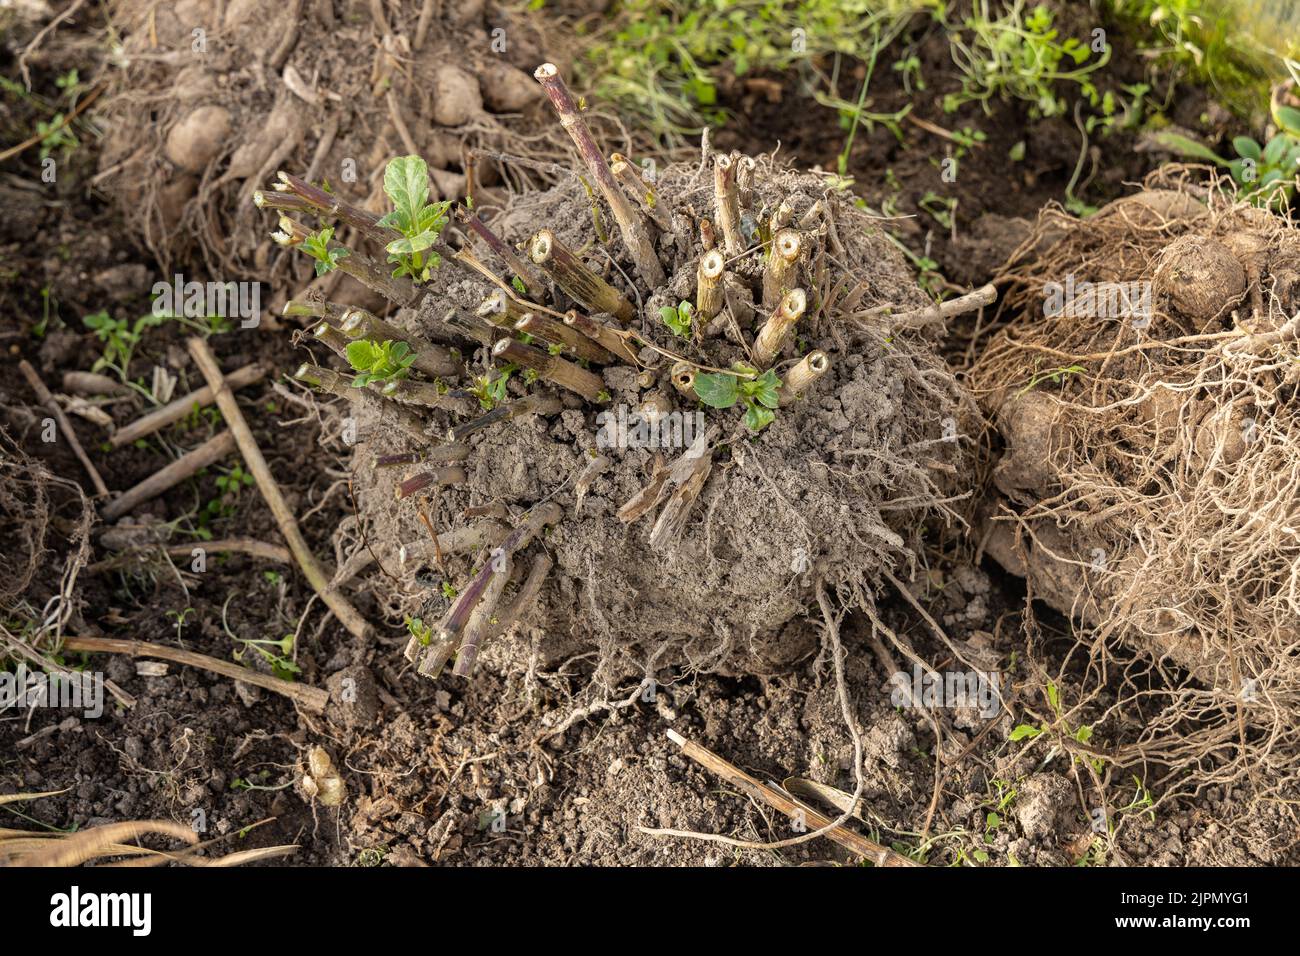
<point x="419" y="630"/>
<point x="386" y="361"/>
<point x="725" y="389"/>
<point x="275" y="653"/>
<point x="678" y="319"/>
<point x="317" y="245"/>
<point x="406" y="181"/>
<point x="491" y="389"/>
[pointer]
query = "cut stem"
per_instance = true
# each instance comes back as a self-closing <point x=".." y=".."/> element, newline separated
<point x="803" y="375"/>
<point x="433" y="360"/>
<point x="772" y="336"/>
<point x="554" y="369"/>
<point x="636" y="233"/>
<point x="606" y="337"/>
<point x="573" y="276"/>
<point x="726" y="204"/>
<point x="566" y="336"/>
<point x="526" y="273"/>
<point x="709" y="291"/>
<point x="782" y="266"/>
<point x="539" y="403"/>
<point x="631" y="179"/>
<point x="439" y="477"/>
<point x="429" y="395"/>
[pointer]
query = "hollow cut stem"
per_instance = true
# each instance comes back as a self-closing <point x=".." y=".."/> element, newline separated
<point x="781" y="268"/>
<point x="772" y="336"/>
<point x="709" y="291"/>
<point x="726" y="204"/>
<point x="572" y="275"/>
<point x="433" y="360"/>
<point x="803" y="375"/>
<point x="552" y="368"/>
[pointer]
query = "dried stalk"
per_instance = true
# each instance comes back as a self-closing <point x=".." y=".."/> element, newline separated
<point x="433" y="360"/>
<point x="45" y="397"/>
<point x="607" y="338"/>
<point x="312" y="698"/>
<point x="802" y="376"/>
<point x="439" y="477"/>
<point x="179" y="408"/>
<point x="266" y="484"/>
<point x="940" y="312"/>
<point x="783" y="803"/>
<point x="709" y="291"/>
<point x="554" y="369"/>
<point x="139" y="556"/>
<point x="570" y="339"/>
<point x="579" y="282"/>
<point x="632" y="225"/>
<point x="539" y="403"/>
<point x="686" y="477"/>
<point x="726" y="204"/>
<point x="782" y="267"/>
<point x="775" y="331"/>
<point x="210" y="452"/>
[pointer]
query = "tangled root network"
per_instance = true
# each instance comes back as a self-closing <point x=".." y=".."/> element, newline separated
<point x="1145" y="392"/>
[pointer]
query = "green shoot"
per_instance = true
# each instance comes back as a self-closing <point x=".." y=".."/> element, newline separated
<point x="419" y="630"/>
<point x="491" y="389"/>
<point x="386" y="361"/>
<point x="317" y="245"/>
<point x="678" y="319"/>
<point x="406" y="181"/>
<point x="759" y="395"/>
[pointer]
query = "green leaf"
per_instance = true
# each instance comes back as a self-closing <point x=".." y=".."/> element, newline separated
<point x="406" y="180"/>
<point x="361" y="354"/>
<point x="1054" y="697"/>
<point x="717" y="389"/>
<point x="1275" y="150"/>
<point x="1187" y="147"/>
<point x="1288" y="118"/>
<point x="757" y="417"/>
<point x="1024" y="731"/>
<point x="1246" y="147"/>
